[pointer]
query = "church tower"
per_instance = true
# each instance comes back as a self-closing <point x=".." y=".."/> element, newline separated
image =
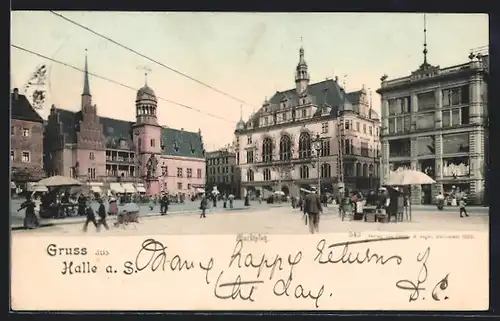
<point x="147" y="138"/>
<point x="301" y="74"/>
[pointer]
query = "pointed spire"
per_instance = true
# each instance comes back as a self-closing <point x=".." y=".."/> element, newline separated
<point x="241" y="112"/>
<point x="425" y="40"/>
<point x="370" y="107"/>
<point x="301" y="53"/>
<point x="86" y="85"/>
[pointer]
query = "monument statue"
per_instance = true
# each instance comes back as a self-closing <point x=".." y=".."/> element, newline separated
<point x="151" y="166"/>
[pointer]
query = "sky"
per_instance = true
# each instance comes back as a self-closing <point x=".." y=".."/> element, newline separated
<point x="249" y="56"/>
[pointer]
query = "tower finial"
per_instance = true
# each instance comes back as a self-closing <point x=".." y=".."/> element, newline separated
<point x="241" y="112"/>
<point x="86" y="85"/>
<point x="425" y="39"/>
<point x="146" y="78"/>
<point x="146" y="72"/>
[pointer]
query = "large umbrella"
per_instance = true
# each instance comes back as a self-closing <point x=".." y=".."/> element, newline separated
<point x="59" y="181"/>
<point x="409" y="177"/>
<point x="279" y="193"/>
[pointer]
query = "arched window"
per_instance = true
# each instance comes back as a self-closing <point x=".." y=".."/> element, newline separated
<point x="285" y="148"/>
<point x="267" y="174"/>
<point x="250" y="175"/>
<point x="267" y="150"/>
<point x="326" y="170"/>
<point x="365" y="170"/>
<point x="304" y="145"/>
<point x="358" y="169"/>
<point x="304" y="172"/>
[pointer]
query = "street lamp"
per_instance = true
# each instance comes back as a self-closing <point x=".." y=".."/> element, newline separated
<point x="317" y="147"/>
<point x="284" y="168"/>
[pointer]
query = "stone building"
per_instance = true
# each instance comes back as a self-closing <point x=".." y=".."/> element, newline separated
<point x="123" y="156"/>
<point x="274" y="147"/>
<point x="223" y="172"/>
<point x="26" y="141"/>
<point x="435" y="121"/>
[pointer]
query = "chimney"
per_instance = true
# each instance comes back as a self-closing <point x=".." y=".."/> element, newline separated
<point x="16" y="94"/>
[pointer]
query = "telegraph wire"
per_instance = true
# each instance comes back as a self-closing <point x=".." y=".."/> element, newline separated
<point x="148" y="58"/>
<point x="117" y="82"/>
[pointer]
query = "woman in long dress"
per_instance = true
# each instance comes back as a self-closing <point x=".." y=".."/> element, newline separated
<point x="30" y="218"/>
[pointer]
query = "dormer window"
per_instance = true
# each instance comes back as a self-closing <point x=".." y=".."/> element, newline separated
<point x="176" y="146"/>
<point x="191" y="148"/>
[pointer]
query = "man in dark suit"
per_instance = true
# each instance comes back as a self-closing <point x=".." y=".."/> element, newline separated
<point x="313" y="209"/>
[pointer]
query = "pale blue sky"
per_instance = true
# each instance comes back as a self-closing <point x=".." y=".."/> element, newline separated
<point x="248" y="55"/>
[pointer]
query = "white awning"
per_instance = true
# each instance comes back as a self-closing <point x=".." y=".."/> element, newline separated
<point x="129" y="188"/>
<point x="140" y="188"/>
<point x="200" y="190"/>
<point x="96" y="183"/>
<point x="116" y="187"/>
<point x="96" y="189"/>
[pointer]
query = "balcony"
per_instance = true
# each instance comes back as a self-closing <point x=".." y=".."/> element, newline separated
<point x="120" y="160"/>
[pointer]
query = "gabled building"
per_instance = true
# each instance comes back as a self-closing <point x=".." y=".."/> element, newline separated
<point x="26" y="141"/>
<point x="275" y="146"/>
<point x="124" y="156"/>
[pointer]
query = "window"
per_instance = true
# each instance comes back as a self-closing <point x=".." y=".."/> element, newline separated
<point x="153" y="143"/>
<point x="326" y="170"/>
<point x="179" y="172"/>
<point x="285" y="148"/>
<point x="283" y="117"/>
<point x="304" y="145"/>
<point x="392" y="125"/>
<point x="198" y="173"/>
<point x="370" y="130"/>
<point x="12" y="155"/>
<point x="267" y="150"/>
<point x="165" y="170"/>
<point x="26" y="157"/>
<point x="426" y="146"/>
<point x="400" y="148"/>
<point x="346" y="125"/>
<point x="91" y="173"/>
<point x="426" y="101"/>
<point x="364" y="150"/>
<point x="189" y="173"/>
<point x="406" y="123"/>
<point x="91" y="156"/>
<point x="267" y="174"/>
<point x="364" y="128"/>
<point x="358" y="128"/>
<point x="179" y="186"/>
<point x="425" y="121"/>
<point x="304" y="172"/>
<point x="304" y="113"/>
<point x="249" y="139"/>
<point x="266" y="121"/>
<point x="455" y="117"/>
<point x="26" y="132"/>
<point x="250" y="175"/>
<point x="12" y="128"/>
<point x="189" y="186"/>
<point x="249" y="156"/>
<point x="325" y="148"/>
<point x="456" y="143"/>
<point x="324" y="128"/>
<point x="456" y="96"/>
<point x="400" y="106"/>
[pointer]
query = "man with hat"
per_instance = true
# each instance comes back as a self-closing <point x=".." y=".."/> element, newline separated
<point x="313" y="208"/>
<point x="102" y="215"/>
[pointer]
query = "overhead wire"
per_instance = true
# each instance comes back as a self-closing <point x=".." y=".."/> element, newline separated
<point x="149" y="58"/>
<point x="117" y="82"/>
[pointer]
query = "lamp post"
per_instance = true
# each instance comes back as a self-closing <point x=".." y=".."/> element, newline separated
<point x="286" y="167"/>
<point x="317" y="147"/>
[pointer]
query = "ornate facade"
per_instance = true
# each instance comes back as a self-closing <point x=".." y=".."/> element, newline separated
<point x="123" y="156"/>
<point x="274" y="147"/>
<point x="435" y="121"/>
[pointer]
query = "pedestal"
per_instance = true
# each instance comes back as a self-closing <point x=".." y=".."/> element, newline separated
<point x="153" y="187"/>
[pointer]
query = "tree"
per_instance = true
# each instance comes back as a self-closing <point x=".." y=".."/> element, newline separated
<point x="35" y="87"/>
